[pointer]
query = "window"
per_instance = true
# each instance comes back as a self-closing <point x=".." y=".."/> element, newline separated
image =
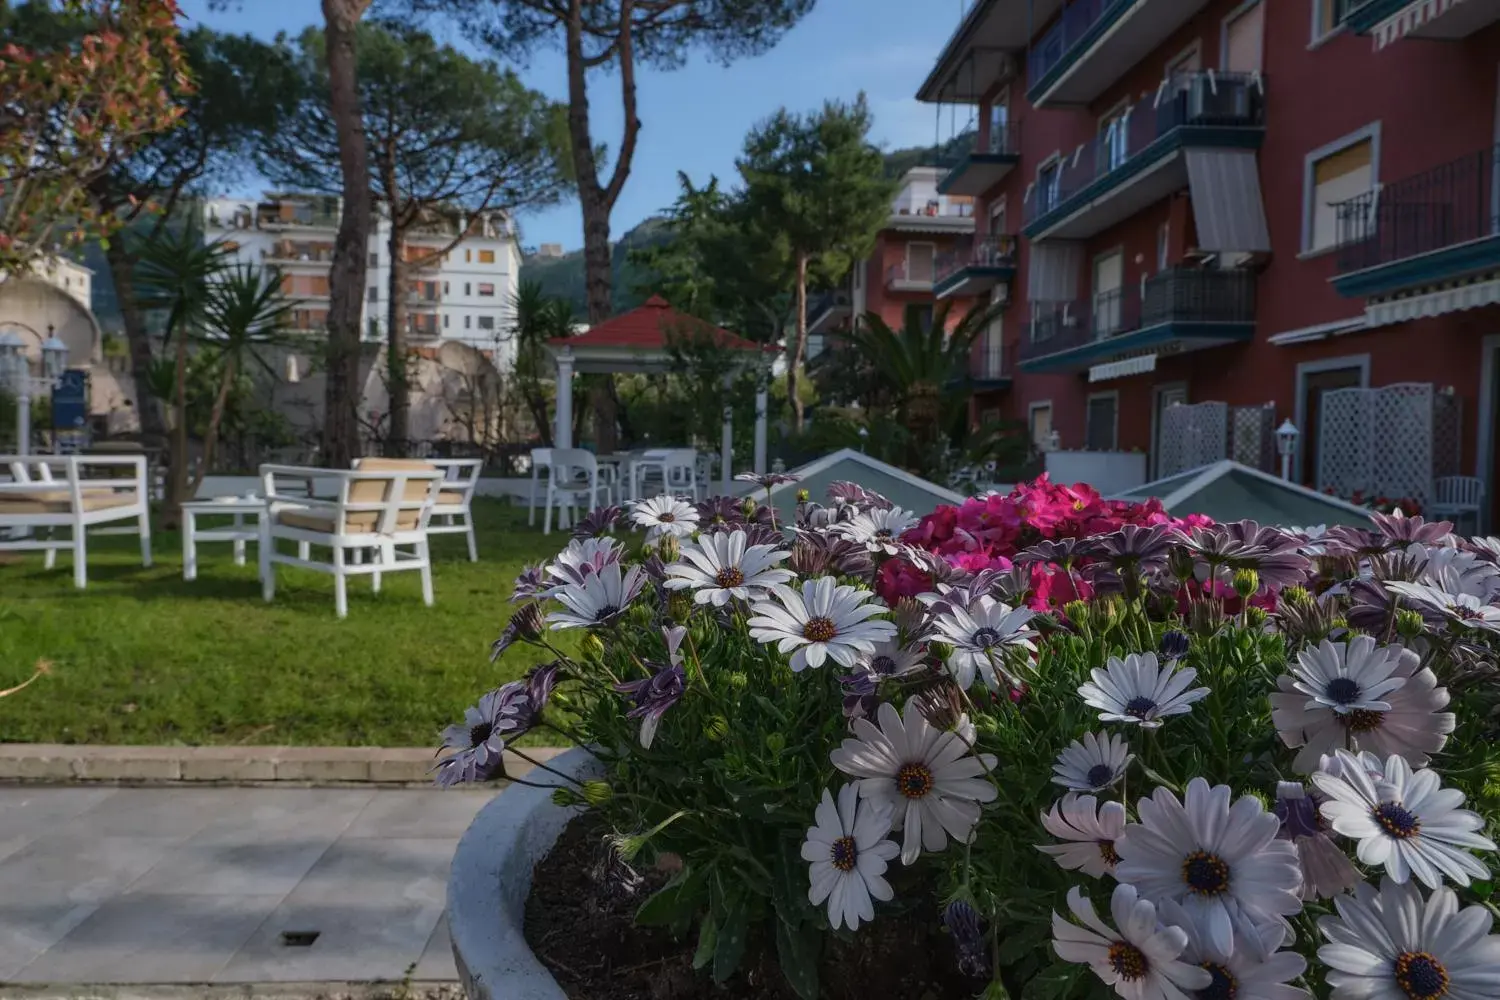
<point x="1040" y="419"/>
<point x="467" y="322"/>
<point x="919" y="257"/>
<point x="486" y="290"/>
<point x="1163" y="244"/>
<point x="989" y="416"/>
<point x="924" y="316"/>
<point x="1109" y="281"/>
<point x="374" y="293"/>
<point x="468" y="256"/>
<point x="445" y="288"/>
<point x="1000" y="122"/>
<point x="1049" y="186"/>
<point x="1328" y="17"/>
<point x="997" y="217"/>
<point x="1337" y="172"/>
<point x="1100" y="430"/>
<point x="1189" y="60"/>
<point x="992" y="357"/>
<point x="486" y="322"/>
<point x="486" y="256"/>
<point x="1115" y="127"/>
<point x="374" y="260"/>
<point x="445" y="321"/>
<point x="373" y="327"/>
<point x="468" y="288"/>
<point x="1244" y="39"/>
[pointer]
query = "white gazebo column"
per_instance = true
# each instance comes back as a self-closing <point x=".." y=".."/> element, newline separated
<point x="563" y="437"/>
<point x="726" y="450"/>
<point x="760" y="429"/>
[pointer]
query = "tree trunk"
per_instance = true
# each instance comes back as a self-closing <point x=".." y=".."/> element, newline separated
<point x="799" y="343"/>
<point x="346" y="278"/>
<point x="138" y="340"/>
<point x="177" y="471"/>
<point x="396" y="342"/>
<point x="211" y="436"/>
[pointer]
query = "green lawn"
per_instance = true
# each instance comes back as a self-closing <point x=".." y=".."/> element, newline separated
<point x="144" y="657"/>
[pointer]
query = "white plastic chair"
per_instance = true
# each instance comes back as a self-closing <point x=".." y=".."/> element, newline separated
<point x="53" y="491"/>
<point x="541" y="458"/>
<point x="676" y="469"/>
<point x="384" y="505"/>
<point x="572" y="477"/>
<point x="1454" y="497"/>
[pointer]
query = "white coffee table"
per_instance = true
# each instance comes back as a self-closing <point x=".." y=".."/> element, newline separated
<point x="246" y="511"/>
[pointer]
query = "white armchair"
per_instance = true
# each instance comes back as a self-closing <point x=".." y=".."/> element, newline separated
<point x="47" y="492"/>
<point x="452" y="514"/>
<point x="378" y="507"/>
<point x="572" y="478"/>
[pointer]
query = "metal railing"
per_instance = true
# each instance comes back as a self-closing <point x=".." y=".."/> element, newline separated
<point x="295" y="253"/>
<point x="1179" y="295"/>
<point x="1235" y="100"/>
<point x="1003" y="137"/>
<point x="1453" y="203"/>
<point x="1064" y="36"/>
<point x="988" y="362"/>
<point x="988" y="251"/>
<point x="903" y="273"/>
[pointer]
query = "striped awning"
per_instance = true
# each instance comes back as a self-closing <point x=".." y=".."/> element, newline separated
<point x="1411" y="18"/>
<point x="1434" y="303"/>
<point x="1120" y="369"/>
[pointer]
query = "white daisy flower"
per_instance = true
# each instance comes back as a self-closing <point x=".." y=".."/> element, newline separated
<point x="1140" y="960"/>
<point x="930" y="778"/>
<point x="599" y="598"/>
<point x="721" y="566"/>
<point x="1414" y="726"/>
<point x="1222" y="862"/>
<point x="1092" y="764"/>
<point x="1393" y="945"/>
<point x="980" y="635"/>
<point x="1461" y="609"/>
<point x="1405" y="821"/>
<point x="1326" y="869"/>
<point x="848" y="852"/>
<point x="825" y="620"/>
<point x="1090" y="830"/>
<point x="665" y="515"/>
<point x="877" y="530"/>
<point x="1348" y="676"/>
<point x="1456" y="571"/>
<point x="1256" y="970"/>
<point x="1135" y="689"/>
<point x="581" y="560"/>
<point x="891" y="659"/>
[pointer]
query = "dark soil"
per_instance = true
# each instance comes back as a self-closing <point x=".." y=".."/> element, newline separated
<point x="582" y="928"/>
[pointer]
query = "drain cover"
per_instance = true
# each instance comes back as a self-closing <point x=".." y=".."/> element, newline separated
<point x="299" y="939"/>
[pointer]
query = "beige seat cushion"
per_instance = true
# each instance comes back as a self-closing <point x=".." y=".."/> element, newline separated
<point x="60" y="501"/>
<point x="450" y="498"/>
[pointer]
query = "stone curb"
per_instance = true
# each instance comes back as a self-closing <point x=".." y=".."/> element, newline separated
<point x="247" y="991"/>
<point x="58" y="762"/>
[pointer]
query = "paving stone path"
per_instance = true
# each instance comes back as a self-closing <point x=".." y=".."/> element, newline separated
<point x="226" y="885"/>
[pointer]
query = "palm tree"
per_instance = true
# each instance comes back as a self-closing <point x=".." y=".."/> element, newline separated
<point x="917" y="368"/>
<point x="538" y="318"/>
<point x="177" y="271"/>
<point x="244" y="314"/>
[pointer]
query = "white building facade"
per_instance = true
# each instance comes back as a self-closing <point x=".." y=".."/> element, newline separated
<point x="466" y="295"/>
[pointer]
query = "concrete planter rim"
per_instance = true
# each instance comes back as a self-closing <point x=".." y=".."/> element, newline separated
<point x="490" y="881"/>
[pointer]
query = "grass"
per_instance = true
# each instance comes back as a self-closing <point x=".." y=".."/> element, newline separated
<point x="144" y="657"/>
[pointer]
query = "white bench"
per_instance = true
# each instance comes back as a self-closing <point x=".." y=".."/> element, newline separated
<point x="47" y="492"/>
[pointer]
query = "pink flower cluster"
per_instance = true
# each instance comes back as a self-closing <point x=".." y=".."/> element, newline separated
<point x="987" y="532"/>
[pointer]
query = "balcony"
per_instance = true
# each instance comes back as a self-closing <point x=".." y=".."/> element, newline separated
<point x="1142" y="157"/>
<point x="983" y="165"/>
<point x="975" y="267"/>
<point x="910" y="276"/>
<point x="1389" y="20"/>
<point x="827" y="310"/>
<point x="283" y="215"/>
<point x="987" y="369"/>
<point x="424" y="300"/>
<point x="1439" y="227"/>
<point x="284" y="254"/>
<point x="1095" y="43"/>
<point x="1180" y="310"/>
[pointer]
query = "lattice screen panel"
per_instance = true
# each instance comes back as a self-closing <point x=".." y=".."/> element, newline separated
<point x="1254" y="436"/>
<point x="1388" y="441"/>
<point x="1447" y="428"/>
<point x="1344" y="421"/>
<point x="1192" y="436"/>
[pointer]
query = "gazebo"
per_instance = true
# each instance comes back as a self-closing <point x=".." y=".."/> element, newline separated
<point x="641" y="341"/>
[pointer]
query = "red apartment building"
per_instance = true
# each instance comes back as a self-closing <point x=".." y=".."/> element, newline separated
<point x="1254" y="203"/>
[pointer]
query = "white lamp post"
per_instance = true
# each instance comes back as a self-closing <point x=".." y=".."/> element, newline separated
<point x="15" y="375"/>
<point x="1286" y="446"/>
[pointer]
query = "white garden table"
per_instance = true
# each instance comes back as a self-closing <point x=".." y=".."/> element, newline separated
<point x="246" y="511"/>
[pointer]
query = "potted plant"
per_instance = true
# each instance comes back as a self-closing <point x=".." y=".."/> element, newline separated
<point x="1039" y="745"/>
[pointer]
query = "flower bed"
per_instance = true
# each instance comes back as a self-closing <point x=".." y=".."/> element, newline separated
<point x="1090" y="742"/>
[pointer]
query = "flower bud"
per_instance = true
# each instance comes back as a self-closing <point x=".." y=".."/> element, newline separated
<point x="1256" y="617"/>
<point x="596" y="793"/>
<point x="529" y="622"/>
<point x="1076" y="612"/>
<point x="1295" y="595"/>
<point x="737" y="681"/>
<point x="592" y="646"/>
<point x="679" y="605"/>
<point x="748" y="507"/>
<point x="775" y="742"/>
<point x="1180" y="563"/>
<point x="716" y="728"/>
<point x="565" y="798"/>
<point x="1410" y="624"/>
<point x="668" y="548"/>
<point x="1245" y="582"/>
<point x="1173" y="645"/>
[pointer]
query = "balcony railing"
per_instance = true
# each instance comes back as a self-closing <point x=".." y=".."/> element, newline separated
<point x="296" y="254"/>
<point x="1004" y="139"/>
<point x="988" y="363"/>
<point x="1180" y="295"/>
<point x="909" y="275"/>
<point x="1077" y="18"/>
<point x="989" y="251"/>
<point x="1207" y="99"/>
<point x="1454" y="203"/>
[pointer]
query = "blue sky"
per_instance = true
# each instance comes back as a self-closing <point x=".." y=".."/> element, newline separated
<point x="696" y="118"/>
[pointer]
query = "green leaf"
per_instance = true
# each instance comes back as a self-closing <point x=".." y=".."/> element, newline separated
<point x="708" y="937"/>
<point x="662" y="908"/>
<point x="730" y="946"/>
<point x="797" y="950"/>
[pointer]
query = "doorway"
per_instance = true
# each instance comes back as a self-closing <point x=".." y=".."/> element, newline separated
<point x="1313" y="380"/>
<point x="1109" y="278"/>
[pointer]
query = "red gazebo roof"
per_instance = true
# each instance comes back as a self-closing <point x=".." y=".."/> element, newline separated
<point x="648" y="328"/>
